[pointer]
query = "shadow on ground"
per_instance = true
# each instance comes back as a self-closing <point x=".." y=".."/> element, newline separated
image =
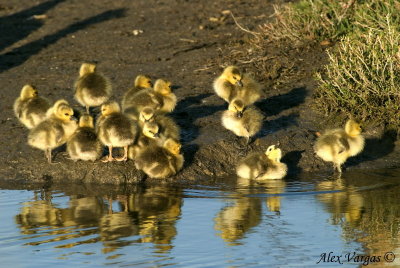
<point x="19" y="55"/>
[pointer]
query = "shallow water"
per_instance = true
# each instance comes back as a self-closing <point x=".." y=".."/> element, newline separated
<point x="229" y="224"/>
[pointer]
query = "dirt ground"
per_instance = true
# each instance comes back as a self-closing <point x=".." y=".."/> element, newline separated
<point x="188" y="42"/>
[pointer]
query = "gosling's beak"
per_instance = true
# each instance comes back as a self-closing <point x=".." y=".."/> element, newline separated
<point x="156" y="135"/>
<point x="239" y="114"/>
<point x="73" y="118"/>
<point x="239" y="83"/>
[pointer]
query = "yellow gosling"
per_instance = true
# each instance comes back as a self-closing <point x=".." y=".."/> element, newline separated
<point x="55" y="130"/>
<point x="115" y="129"/>
<point x="163" y="90"/>
<point x="232" y="83"/>
<point x="84" y="144"/>
<point x="29" y="108"/>
<point x="92" y="89"/>
<point x="336" y="145"/>
<point x="262" y="166"/>
<point x="160" y="162"/>
<point x="141" y="82"/>
<point x="241" y="120"/>
<point x="167" y="126"/>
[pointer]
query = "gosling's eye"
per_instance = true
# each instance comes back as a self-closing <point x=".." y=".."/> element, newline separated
<point x="66" y="114"/>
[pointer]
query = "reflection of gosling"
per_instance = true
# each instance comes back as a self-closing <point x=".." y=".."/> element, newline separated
<point x="262" y="166"/>
<point x="233" y="84"/>
<point x="336" y="145"/>
<point x="115" y="129"/>
<point x="141" y="82"/>
<point x="167" y="126"/>
<point x="92" y="88"/>
<point x="160" y="162"/>
<point x="83" y="144"/>
<point x="241" y="120"/>
<point x="55" y="130"/>
<point x="29" y="108"/>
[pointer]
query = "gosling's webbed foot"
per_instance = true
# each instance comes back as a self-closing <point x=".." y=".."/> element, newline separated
<point x="121" y="159"/>
<point x="107" y="159"/>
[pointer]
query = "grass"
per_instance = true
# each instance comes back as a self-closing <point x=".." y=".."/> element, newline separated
<point x="362" y="77"/>
<point x="310" y="20"/>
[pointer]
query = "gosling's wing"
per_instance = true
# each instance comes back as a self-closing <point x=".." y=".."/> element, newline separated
<point x="343" y="145"/>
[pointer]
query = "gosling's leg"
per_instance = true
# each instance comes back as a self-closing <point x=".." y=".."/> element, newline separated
<point x="110" y="157"/>
<point x="125" y="157"/>
<point x="87" y="109"/>
<point x="47" y="152"/>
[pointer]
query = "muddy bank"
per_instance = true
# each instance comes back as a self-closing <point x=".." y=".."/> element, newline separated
<point x="187" y="42"/>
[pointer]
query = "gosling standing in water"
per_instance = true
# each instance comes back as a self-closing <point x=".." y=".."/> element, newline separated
<point x="263" y="166"/>
<point x="84" y="144"/>
<point x="115" y="129"/>
<point x="160" y="162"/>
<point x="241" y="120"/>
<point x="336" y="145"/>
<point x="29" y="108"/>
<point x="55" y="130"/>
<point x="92" y="89"/>
<point x="232" y="83"/>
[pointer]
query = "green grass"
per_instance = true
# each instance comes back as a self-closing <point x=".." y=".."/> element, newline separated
<point x="310" y="20"/>
<point x="362" y="77"/>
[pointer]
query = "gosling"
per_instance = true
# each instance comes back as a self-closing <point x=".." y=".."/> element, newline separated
<point x="160" y="99"/>
<point x="241" y="120"/>
<point x="160" y="162"/>
<point x="92" y="89"/>
<point x="29" y="108"/>
<point x="336" y="145"/>
<point x="149" y="136"/>
<point x="84" y="144"/>
<point x="55" y="130"/>
<point x="233" y="84"/>
<point x="115" y="129"/>
<point x="141" y="82"/>
<point x="262" y="166"/>
<point x="167" y="126"/>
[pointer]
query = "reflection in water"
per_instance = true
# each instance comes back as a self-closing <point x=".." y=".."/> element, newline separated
<point x="237" y="218"/>
<point x="274" y="221"/>
<point x="342" y="201"/>
<point x="146" y="216"/>
<point x="371" y="217"/>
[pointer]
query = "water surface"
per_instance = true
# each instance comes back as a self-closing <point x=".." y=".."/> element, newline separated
<point x="232" y="223"/>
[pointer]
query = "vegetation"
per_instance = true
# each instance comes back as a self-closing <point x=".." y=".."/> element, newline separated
<point x="361" y="78"/>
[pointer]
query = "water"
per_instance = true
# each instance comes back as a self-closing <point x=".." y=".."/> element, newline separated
<point x="231" y="223"/>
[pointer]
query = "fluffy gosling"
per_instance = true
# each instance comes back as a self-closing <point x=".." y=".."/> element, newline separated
<point x="163" y="89"/>
<point x="167" y="126"/>
<point x="92" y="89"/>
<point x="55" y="130"/>
<point x="141" y="82"/>
<point x="336" y="145"/>
<point x="29" y="108"/>
<point x="84" y="144"/>
<point x="115" y="129"/>
<point x="241" y="120"/>
<point x="149" y="136"/>
<point x="160" y="162"/>
<point x="232" y="83"/>
<point x="262" y="166"/>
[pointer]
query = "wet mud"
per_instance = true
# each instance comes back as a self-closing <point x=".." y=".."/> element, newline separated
<point x="188" y="42"/>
